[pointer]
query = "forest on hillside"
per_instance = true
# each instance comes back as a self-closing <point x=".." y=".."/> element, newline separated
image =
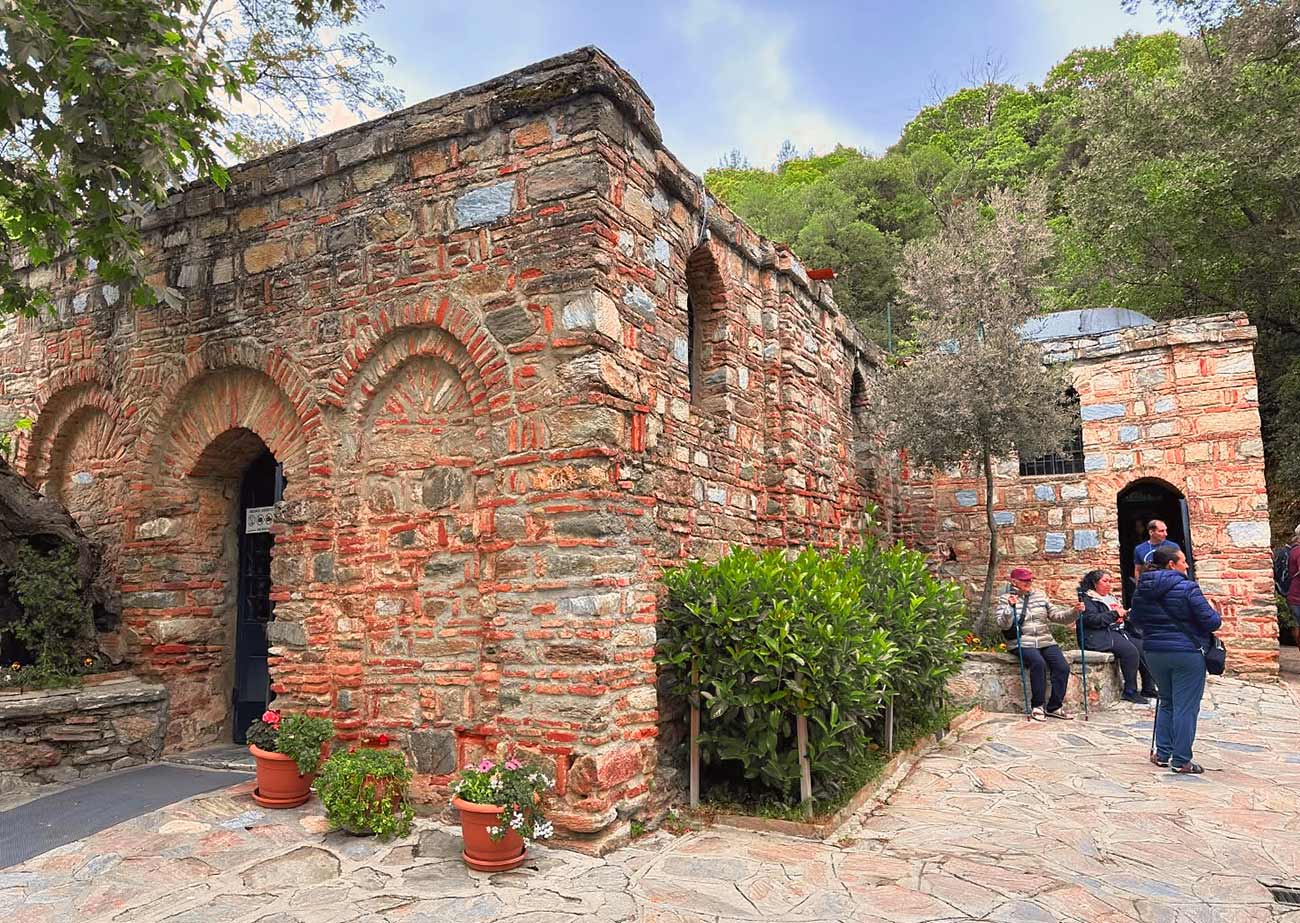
<point x="1172" y="164"/>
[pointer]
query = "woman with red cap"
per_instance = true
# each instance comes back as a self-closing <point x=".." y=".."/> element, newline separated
<point x="1041" y="655"/>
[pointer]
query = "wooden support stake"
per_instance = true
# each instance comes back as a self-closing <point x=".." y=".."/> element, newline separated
<point x="805" y="768"/>
<point x="695" y="743"/>
<point x="889" y="726"/>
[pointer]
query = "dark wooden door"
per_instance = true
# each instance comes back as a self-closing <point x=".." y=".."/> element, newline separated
<point x="262" y="486"/>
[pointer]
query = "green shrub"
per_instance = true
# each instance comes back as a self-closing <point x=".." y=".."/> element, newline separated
<point x="924" y="618"/>
<point x="364" y="791"/>
<point x="830" y="636"/>
<point x="55" y="625"/>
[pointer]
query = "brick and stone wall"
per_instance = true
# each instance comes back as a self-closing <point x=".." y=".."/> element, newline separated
<point x="62" y="735"/>
<point x="463" y="330"/>
<point x="1174" y="404"/>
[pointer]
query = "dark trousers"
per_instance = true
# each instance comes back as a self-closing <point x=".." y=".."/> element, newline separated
<point x="1039" y="662"/>
<point x="1181" y="678"/>
<point x="1128" y="651"/>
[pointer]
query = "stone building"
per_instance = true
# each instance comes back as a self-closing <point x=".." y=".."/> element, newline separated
<point x="441" y="395"/>
<point x="1169" y="429"/>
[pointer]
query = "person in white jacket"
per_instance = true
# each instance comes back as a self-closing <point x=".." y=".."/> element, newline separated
<point x="1039" y="650"/>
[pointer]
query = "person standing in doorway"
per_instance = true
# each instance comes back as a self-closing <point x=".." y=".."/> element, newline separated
<point x="1039" y="650"/>
<point x="1176" y="622"/>
<point x="1157" y="537"/>
<point x="1293" y="571"/>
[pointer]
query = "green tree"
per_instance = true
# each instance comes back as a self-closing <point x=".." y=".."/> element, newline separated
<point x="1187" y="197"/>
<point x="962" y="398"/>
<point x="301" y="58"/>
<point x="105" y="105"/>
<point x="845" y="210"/>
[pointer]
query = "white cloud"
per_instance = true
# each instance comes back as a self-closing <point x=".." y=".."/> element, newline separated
<point x="1092" y="23"/>
<point x="755" y="103"/>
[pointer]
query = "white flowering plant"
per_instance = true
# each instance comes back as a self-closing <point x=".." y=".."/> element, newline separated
<point x="516" y="787"/>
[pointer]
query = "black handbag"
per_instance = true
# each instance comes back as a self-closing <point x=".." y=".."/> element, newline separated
<point x="1216" y="655"/>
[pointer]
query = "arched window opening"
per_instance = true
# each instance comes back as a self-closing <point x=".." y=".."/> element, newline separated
<point x="857" y="396"/>
<point x="1067" y="462"/>
<point x="705" y="316"/>
<point x="692" y="349"/>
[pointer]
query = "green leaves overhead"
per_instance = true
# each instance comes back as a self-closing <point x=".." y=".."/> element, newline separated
<point x="106" y="106"/>
<point x="102" y="109"/>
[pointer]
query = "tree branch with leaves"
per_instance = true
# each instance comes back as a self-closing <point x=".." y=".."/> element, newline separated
<point x="976" y="391"/>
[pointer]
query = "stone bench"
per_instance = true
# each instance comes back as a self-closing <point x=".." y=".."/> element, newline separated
<point x="992" y="681"/>
<point x="62" y="735"/>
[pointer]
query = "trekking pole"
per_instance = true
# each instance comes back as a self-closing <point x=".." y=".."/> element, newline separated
<point x="1020" y="654"/>
<point x="1083" y="662"/>
<point x="1154" y="719"/>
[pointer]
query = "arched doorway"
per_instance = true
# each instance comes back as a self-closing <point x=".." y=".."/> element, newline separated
<point x="1140" y="502"/>
<point x="260" y="488"/>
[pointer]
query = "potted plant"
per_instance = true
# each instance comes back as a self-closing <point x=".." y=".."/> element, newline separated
<point x="500" y="813"/>
<point x="364" y="792"/>
<point x="288" y="751"/>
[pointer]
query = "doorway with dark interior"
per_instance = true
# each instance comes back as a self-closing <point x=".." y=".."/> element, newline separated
<point x="1139" y="503"/>
<point x="260" y="488"/>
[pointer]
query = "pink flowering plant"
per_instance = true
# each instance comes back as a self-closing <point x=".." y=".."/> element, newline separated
<point x="295" y="735"/>
<point x="516" y="787"/>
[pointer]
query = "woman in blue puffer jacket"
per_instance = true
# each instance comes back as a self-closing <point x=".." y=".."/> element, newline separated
<point x="1176" y="622"/>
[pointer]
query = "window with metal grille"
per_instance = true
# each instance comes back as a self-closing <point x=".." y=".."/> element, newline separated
<point x="1068" y="462"/>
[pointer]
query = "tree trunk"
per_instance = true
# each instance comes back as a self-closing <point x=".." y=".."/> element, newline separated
<point x="26" y="515"/>
<point x="986" y="599"/>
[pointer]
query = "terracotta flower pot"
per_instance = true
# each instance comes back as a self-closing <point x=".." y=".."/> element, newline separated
<point x="482" y="853"/>
<point x="278" y="782"/>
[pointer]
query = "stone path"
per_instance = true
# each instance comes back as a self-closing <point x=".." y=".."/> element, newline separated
<point x="1012" y="821"/>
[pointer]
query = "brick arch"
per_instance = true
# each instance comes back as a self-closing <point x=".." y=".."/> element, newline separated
<point x="275" y="378"/>
<point x="387" y="337"/>
<point x="68" y="398"/>
<point x="218" y="402"/>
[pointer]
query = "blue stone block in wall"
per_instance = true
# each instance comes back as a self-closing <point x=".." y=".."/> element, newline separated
<point x="1129" y="434"/>
<point x="967" y="498"/>
<point x="1044" y="492"/>
<point x="1101" y="411"/>
<point x="485" y="205"/>
<point x="1054" y="542"/>
<point x="1004" y="517"/>
<point x="1085" y="539"/>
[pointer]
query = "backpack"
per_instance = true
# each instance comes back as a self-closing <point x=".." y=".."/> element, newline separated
<point x="1282" y="575"/>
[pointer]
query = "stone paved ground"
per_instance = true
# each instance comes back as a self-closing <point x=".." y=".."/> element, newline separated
<point x="1012" y="821"/>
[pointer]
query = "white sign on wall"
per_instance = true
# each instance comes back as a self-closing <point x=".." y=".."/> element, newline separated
<point x="258" y="519"/>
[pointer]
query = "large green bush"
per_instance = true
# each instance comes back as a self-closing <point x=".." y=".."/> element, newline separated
<point x="828" y="635"/>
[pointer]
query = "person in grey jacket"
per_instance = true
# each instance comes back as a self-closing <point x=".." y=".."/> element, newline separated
<point x="1039" y="650"/>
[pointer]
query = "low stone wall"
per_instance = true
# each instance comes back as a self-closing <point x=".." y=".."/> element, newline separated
<point x="61" y="735"/>
<point x="992" y="681"/>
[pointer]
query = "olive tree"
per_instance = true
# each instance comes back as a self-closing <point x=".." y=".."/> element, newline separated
<point x="974" y="390"/>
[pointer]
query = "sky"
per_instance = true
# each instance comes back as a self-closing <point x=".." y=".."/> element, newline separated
<point x="748" y="74"/>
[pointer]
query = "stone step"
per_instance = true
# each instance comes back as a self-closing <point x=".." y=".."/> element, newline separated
<point x="221" y="756"/>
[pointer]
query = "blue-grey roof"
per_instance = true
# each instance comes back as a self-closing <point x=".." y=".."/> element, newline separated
<point x="1088" y="322"/>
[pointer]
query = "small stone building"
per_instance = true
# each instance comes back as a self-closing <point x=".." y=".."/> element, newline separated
<point x="442" y="395"/>
<point x="1168" y="429"/>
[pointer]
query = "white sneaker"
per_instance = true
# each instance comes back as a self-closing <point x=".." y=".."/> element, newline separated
<point x="1038" y="714"/>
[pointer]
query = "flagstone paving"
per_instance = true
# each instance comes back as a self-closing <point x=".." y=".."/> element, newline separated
<point x="1011" y="821"/>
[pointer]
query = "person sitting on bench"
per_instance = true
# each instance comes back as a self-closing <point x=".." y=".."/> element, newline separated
<point x="1038" y="649"/>
<point x="1105" y="631"/>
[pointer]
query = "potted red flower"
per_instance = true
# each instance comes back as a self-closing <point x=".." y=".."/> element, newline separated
<point x="500" y="813"/>
<point x="288" y="750"/>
